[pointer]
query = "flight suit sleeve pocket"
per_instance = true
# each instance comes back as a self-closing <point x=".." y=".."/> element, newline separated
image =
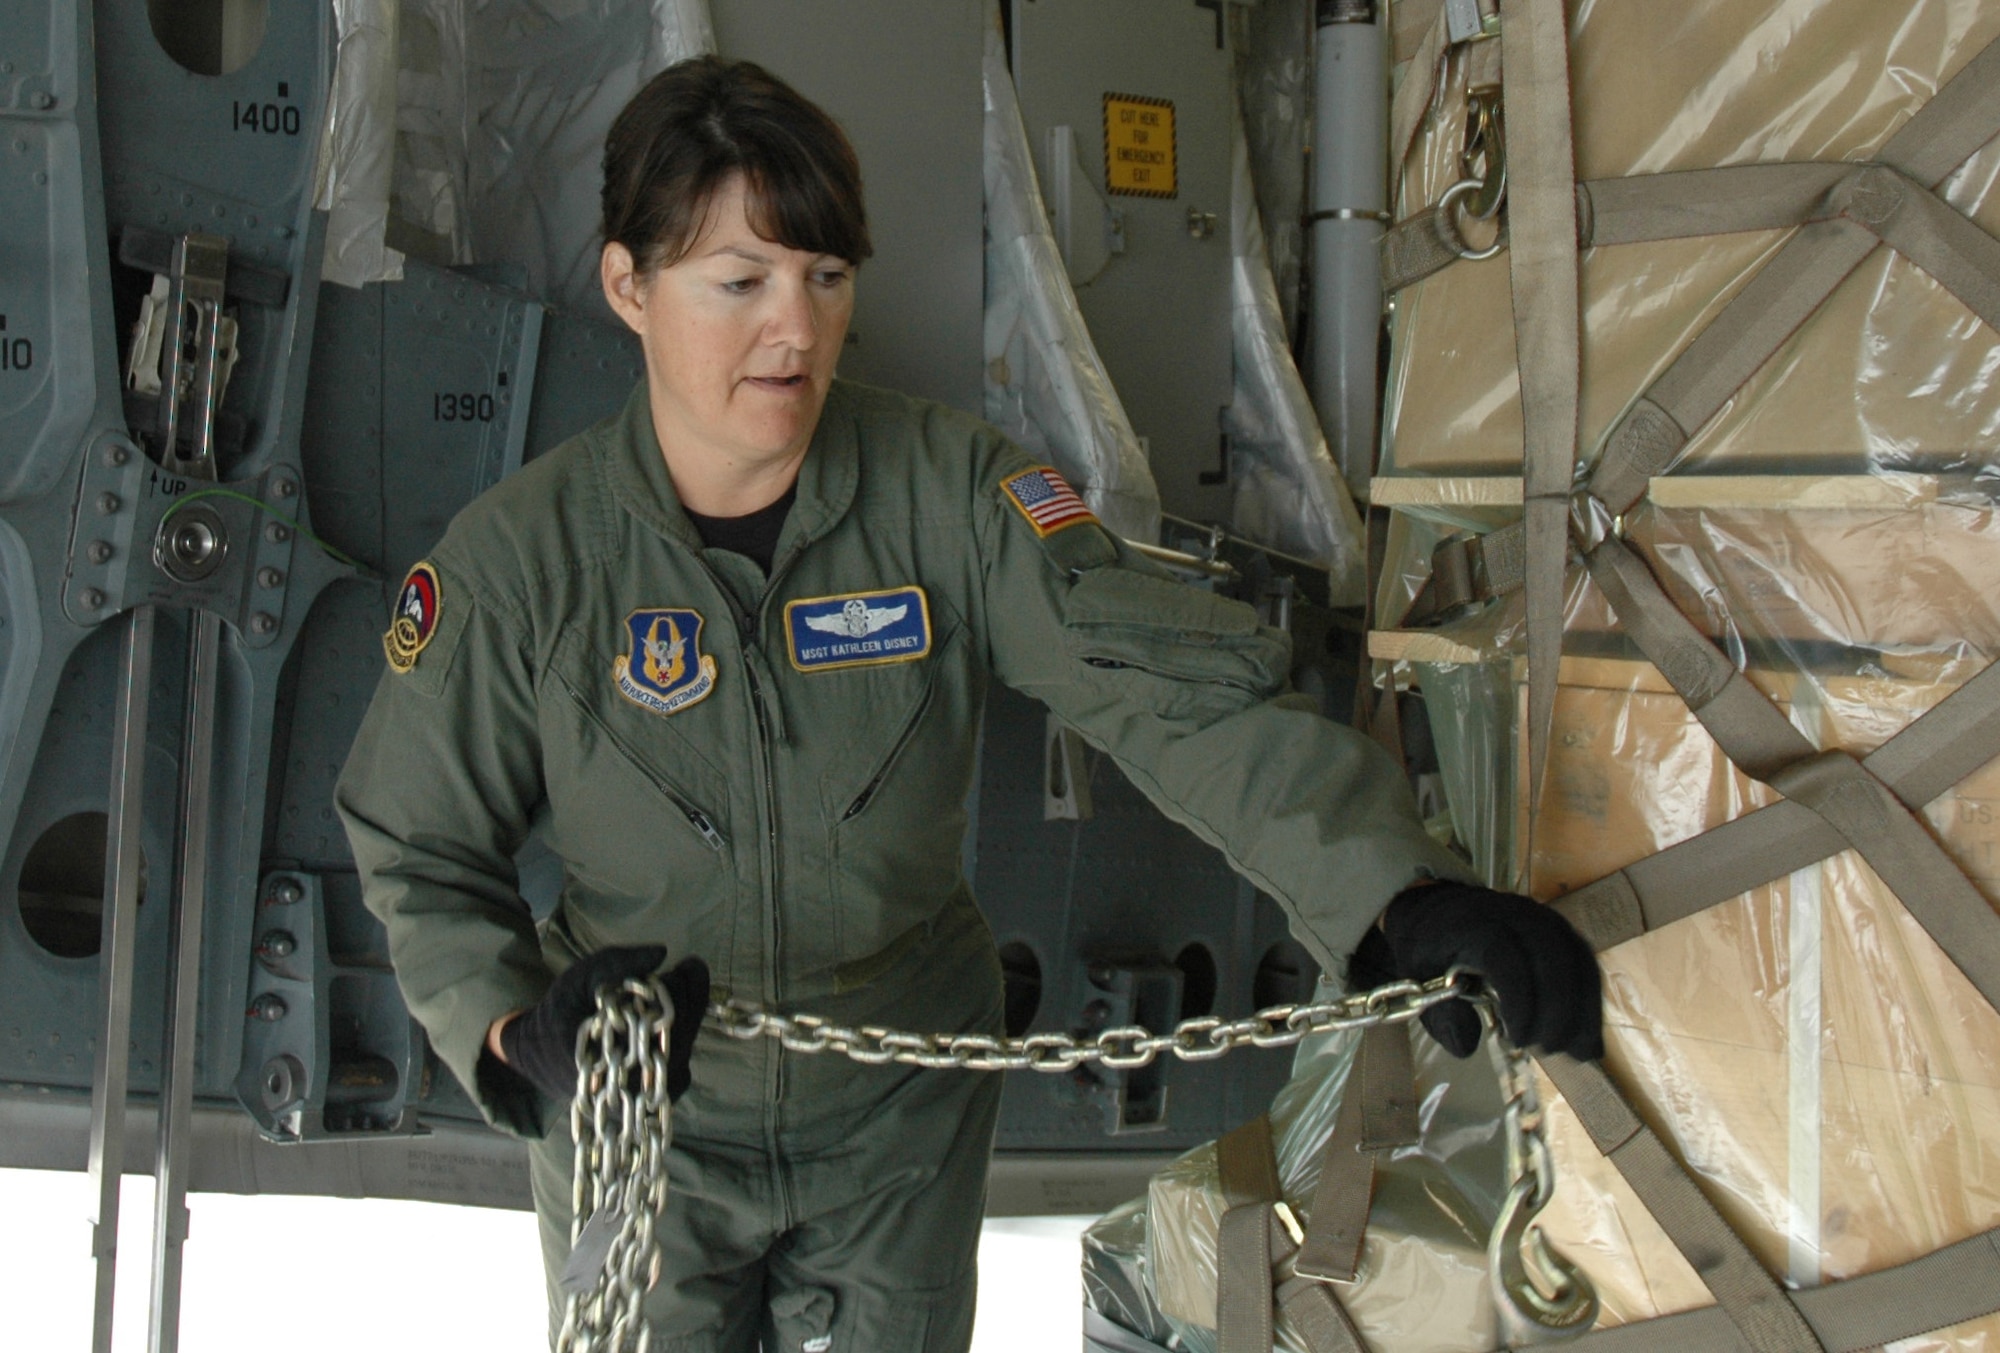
<point x="1169" y="647"/>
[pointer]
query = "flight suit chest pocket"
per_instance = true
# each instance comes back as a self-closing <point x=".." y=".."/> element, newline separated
<point x="1170" y="648"/>
<point x="892" y="794"/>
<point x="635" y="799"/>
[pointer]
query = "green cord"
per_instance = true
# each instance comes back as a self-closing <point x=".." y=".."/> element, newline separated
<point x="292" y="522"/>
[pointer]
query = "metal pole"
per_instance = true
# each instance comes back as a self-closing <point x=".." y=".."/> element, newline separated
<point x="170" y="1220"/>
<point x="121" y="926"/>
<point x="1350" y="204"/>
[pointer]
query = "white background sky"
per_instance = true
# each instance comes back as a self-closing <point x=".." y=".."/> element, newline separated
<point x="333" y="1275"/>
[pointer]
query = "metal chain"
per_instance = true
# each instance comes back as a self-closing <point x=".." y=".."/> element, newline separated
<point x="1541" y="1295"/>
<point x="622" y="1125"/>
<point x="1122" y="1048"/>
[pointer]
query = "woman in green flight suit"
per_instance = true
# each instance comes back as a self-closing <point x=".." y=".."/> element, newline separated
<point x="734" y="643"/>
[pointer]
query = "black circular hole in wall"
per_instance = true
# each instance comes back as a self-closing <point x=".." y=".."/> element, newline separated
<point x="1021" y="971"/>
<point x="62" y="886"/>
<point x="1198" y="976"/>
<point x="209" y="37"/>
<point x="1285" y="976"/>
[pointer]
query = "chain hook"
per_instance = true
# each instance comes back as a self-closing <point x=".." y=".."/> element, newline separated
<point x="1542" y="1297"/>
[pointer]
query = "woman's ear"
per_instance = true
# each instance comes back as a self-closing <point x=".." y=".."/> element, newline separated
<point x="623" y="289"/>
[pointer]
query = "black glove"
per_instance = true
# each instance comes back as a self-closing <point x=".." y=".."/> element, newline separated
<point x="1546" y="977"/>
<point x="540" y="1042"/>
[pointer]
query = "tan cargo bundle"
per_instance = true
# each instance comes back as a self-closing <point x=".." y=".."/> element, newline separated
<point x="1740" y="303"/>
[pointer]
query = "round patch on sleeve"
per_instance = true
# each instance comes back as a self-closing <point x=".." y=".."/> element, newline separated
<point x="415" y="619"/>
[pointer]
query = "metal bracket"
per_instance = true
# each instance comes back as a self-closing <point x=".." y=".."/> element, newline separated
<point x="132" y="541"/>
<point x="1146" y="994"/>
<point x="1065" y="774"/>
<point x="1470" y="21"/>
<point x="328" y="1051"/>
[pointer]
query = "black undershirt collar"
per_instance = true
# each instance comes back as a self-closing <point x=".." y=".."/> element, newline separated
<point x="754" y="536"/>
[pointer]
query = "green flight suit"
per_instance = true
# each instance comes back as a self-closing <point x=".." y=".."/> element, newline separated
<point x="795" y="818"/>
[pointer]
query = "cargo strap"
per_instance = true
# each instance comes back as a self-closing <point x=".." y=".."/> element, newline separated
<point x="1415" y="95"/>
<point x="1946" y="1287"/>
<point x="1688" y="203"/>
<point x="1250" y="1242"/>
<point x="1542" y="270"/>
<point x="1761" y="1312"/>
<point x="1866" y="813"/>
<point x="1378" y="1111"/>
<point x="1957" y="736"/>
<point x="1857" y="207"/>
<point x="1642" y="208"/>
<point x="1418" y="248"/>
<point x="1891" y="202"/>
<point x="1380" y="1117"/>
<point x="1833" y="800"/>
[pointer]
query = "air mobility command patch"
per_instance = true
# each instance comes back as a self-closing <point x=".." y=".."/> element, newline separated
<point x="663" y="668"/>
<point x="1046" y="500"/>
<point x="859" y="629"/>
<point x="415" y="619"/>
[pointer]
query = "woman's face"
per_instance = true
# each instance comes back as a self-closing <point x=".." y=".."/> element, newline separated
<point x="741" y="339"/>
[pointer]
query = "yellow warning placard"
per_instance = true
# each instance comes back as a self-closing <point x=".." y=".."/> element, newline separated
<point x="1139" y="146"/>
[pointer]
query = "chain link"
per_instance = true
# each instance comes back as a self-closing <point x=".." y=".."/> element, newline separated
<point x="1542" y="1296"/>
<point x="622" y="1125"/>
<point x="1124" y="1048"/>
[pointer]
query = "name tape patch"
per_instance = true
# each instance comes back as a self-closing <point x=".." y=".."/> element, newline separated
<point x="664" y="669"/>
<point x="859" y="629"/>
<point x="1046" y="500"/>
<point x="415" y="618"/>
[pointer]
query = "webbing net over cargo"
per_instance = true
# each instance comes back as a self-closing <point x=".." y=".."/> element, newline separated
<point x="1706" y="447"/>
<point x="1818" y="1055"/>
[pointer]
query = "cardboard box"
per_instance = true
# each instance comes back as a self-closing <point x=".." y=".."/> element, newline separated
<point x="1891" y="366"/>
<point x="1843" y="1124"/>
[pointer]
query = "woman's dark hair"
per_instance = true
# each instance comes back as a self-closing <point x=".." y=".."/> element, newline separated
<point x="697" y="123"/>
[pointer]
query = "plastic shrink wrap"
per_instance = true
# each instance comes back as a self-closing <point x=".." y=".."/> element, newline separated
<point x="1046" y="387"/>
<point x="1289" y="494"/>
<point x="1421" y="1286"/>
<point x="1272" y="43"/>
<point x="473" y="130"/>
<point x="357" y="146"/>
<point x="1826" y="1073"/>
<point x="1808" y="1051"/>
<point x="1892" y="371"/>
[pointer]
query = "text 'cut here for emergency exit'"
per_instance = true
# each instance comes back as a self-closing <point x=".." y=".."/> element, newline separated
<point x="1139" y="146"/>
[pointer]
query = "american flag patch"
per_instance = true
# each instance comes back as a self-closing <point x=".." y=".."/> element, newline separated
<point x="1046" y="500"/>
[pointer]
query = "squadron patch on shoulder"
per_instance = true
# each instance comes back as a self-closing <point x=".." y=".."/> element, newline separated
<point x="858" y="629"/>
<point x="415" y="618"/>
<point x="1046" y="500"/>
<point x="663" y="668"/>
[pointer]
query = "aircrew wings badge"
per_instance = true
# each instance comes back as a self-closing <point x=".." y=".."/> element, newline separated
<point x="859" y="629"/>
<point x="663" y="668"/>
<point x="415" y="618"/>
<point x="1046" y="500"/>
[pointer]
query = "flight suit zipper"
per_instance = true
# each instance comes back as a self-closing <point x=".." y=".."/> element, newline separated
<point x="903" y="739"/>
<point x="693" y="816"/>
<point x="749" y="631"/>
<point x="751" y="634"/>
<point x="1107" y="664"/>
